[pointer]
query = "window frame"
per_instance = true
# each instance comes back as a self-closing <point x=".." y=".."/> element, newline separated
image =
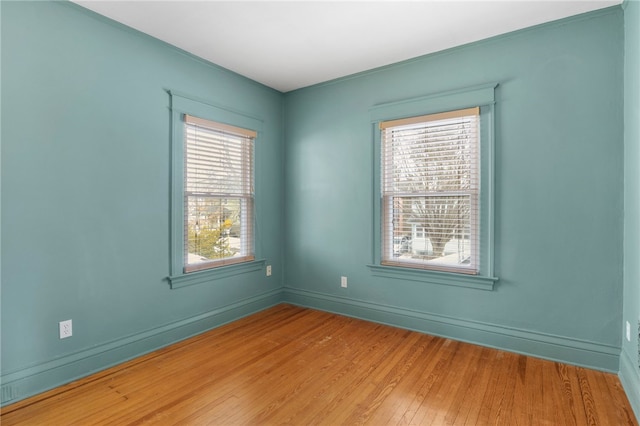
<point x="390" y="143"/>
<point x="180" y="106"/>
<point x="482" y="96"/>
<point x="245" y="196"/>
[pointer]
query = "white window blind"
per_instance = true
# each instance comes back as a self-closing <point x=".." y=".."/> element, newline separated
<point x="430" y="191"/>
<point x="218" y="194"/>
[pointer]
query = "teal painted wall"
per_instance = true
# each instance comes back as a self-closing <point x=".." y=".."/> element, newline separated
<point x="629" y="373"/>
<point x="85" y="194"/>
<point x="559" y="198"/>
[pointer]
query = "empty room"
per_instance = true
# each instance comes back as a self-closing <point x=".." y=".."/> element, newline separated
<point x="308" y="212"/>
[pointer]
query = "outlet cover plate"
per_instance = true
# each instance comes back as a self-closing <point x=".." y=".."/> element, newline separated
<point x="66" y="329"/>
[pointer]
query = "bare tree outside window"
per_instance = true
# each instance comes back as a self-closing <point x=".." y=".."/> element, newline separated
<point x="431" y="181"/>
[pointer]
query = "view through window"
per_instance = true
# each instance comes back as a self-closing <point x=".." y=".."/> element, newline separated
<point x="218" y="194"/>
<point x="430" y="191"/>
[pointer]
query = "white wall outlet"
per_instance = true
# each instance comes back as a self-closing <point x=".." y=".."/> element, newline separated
<point x="343" y="282"/>
<point x="66" y="329"/>
<point x="628" y="332"/>
<point x="268" y="270"/>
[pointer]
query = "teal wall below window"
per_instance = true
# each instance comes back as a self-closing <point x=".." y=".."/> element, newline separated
<point x="85" y="194"/>
<point x="630" y="357"/>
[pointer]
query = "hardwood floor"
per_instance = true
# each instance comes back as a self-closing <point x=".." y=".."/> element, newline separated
<point x="290" y="365"/>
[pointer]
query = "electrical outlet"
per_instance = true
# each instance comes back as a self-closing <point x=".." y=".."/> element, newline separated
<point x="66" y="329"/>
<point x="343" y="282"/>
<point x="628" y="332"/>
<point x="268" y="270"/>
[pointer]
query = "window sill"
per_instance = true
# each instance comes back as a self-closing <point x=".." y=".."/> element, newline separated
<point x="208" y="275"/>
<point x="434" y="277"/>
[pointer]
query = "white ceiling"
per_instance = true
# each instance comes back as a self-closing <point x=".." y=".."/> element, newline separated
<point x="287" y="45"/>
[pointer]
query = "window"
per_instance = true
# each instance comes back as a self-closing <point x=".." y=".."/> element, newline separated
<point x="430" y="191"/>
<point x="433" y="213"/>
<point x="218" y="195"/>
<point x="215" y="198"/>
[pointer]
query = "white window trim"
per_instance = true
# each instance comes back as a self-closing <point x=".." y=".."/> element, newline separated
<point x="484" y="97"/>
<point x="181" y="105"/>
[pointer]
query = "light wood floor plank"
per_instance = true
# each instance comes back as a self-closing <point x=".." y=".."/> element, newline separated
<point x="297" y="366"/>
